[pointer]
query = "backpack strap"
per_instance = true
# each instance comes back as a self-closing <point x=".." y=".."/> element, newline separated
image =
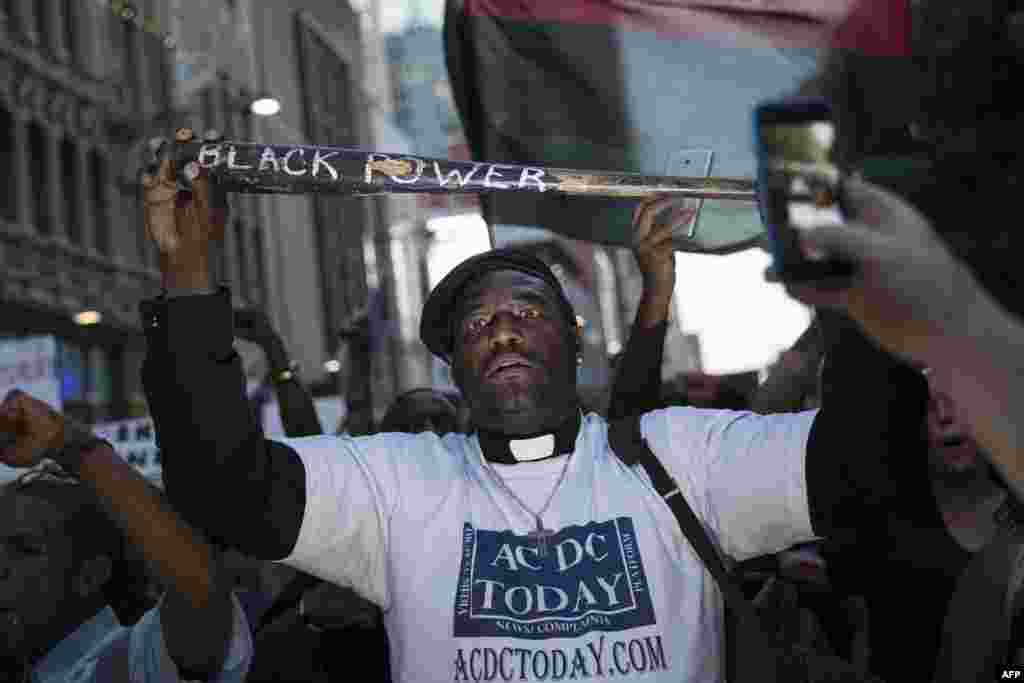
<point x="628" y="444"/>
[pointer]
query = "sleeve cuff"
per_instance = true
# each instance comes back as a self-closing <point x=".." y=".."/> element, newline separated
<point x="199" y="324"/>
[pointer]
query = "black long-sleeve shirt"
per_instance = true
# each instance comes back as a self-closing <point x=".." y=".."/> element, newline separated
<point x="249" y="492"/>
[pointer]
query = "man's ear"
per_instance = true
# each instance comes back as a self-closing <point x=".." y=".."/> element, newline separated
<point x="93" y="575"/>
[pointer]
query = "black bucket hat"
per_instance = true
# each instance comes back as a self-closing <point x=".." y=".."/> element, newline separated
<point x="436" y="325"/>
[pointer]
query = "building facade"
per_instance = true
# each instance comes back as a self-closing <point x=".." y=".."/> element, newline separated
<point x="83" y="85"/>
<point x="78" y="85"/>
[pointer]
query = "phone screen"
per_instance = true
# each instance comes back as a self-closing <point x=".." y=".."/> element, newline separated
<point x="802" y="183"/>
<point x="800" y="168"/>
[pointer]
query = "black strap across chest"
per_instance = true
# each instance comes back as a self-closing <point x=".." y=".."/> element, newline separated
<point x="628" y="443"/>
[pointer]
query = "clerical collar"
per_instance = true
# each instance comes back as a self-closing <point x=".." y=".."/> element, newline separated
<point x="502" y="449"/>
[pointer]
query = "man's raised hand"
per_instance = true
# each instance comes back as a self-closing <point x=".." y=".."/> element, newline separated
<point x="30" y="429"/>
<point x="184" y="216"/>
<point x="654" y="222"/>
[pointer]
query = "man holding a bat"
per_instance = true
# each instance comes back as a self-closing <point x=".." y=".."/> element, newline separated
<point x="525" y="551"/>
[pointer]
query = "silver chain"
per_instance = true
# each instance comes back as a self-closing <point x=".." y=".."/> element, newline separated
<point x="537" y="515"/>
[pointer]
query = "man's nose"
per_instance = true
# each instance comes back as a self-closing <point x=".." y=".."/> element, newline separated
<point x="506" y="330"/>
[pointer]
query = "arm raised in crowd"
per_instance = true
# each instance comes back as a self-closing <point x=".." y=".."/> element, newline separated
<point x="196" y="614"/>
<point x="916" y="300"/>
<point x="212" y="444"/>
<point x="872" y="405"/>
<point x="637" y="387"/>
<point x="298" y="412"/>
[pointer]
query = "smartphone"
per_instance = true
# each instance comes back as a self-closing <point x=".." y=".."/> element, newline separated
<point x="799" y="184"/>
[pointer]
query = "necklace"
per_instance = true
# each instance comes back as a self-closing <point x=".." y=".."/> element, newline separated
<point x="540" y="534"/>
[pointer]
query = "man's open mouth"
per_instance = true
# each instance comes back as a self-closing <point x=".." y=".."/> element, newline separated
<point x="953" y="441"/>
<point x="507" y="364"/>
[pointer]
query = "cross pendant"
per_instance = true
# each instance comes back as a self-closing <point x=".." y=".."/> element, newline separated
<point x="541" y="536"/>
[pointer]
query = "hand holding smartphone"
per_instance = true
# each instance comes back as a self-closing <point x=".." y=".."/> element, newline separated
<point x="799" y="185"/>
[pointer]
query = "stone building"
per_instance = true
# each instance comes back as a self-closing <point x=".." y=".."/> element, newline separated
<point x="83" y="84"/>
<point x="78" y="85"/>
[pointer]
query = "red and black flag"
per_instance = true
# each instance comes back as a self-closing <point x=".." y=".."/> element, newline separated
<point x="662" y="87"/>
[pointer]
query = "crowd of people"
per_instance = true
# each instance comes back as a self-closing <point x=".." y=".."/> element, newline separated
<point x="865" y="498"/>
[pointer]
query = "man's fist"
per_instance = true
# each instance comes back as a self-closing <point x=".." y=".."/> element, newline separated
<point x="183" y="223"/>
<point x="29" y="429"/>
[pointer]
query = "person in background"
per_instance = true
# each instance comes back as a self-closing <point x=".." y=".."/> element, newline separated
<point x="793" y="382"/>
<point x="60" y="538"/>
<point x="298" y="412"/>
<point x="907" y="557"/>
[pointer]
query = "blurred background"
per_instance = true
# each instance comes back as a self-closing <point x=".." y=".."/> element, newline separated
<point x="84" y="82"/>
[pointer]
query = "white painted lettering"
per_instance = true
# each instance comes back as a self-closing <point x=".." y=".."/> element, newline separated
<point x="210" y="156"/>
<point x="492" y="172"/>
<point x="456" y="173"/>
<point x="320" y="159"/>
<point x="268" y="159"/>
<point x="534" y="174"/>
<point x="233" y="164"/>
<point x="287" y="159"/>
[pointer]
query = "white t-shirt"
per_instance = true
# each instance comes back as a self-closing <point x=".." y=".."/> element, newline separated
<point x="420" y="525"/>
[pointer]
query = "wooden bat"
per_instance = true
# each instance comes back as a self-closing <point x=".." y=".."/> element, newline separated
<point x="300" y="169"/>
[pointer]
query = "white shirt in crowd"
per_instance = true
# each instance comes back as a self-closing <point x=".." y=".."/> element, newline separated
<point x="420" y="525"/>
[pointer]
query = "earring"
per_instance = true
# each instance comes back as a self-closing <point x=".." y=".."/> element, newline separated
<point x="579" y="360"/>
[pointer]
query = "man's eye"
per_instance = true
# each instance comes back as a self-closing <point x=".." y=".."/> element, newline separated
<point x="529" y="313"/>
<point x="476" y="324"/>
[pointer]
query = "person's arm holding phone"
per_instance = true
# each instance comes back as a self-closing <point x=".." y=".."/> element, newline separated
<point x="916" y="300"/>
<point x="799" y="185"/>
<point x="298" y="411"/>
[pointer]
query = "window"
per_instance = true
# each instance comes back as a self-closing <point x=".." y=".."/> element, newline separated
<point x="260" y="285"/>
<point x="39" y="173"/>
<point x="69" y="174"/>
<point x="9" y="200"/>
<point x="101" y="211"/>
<point x="67" y="13"/>
<point x="244" y="284"/>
